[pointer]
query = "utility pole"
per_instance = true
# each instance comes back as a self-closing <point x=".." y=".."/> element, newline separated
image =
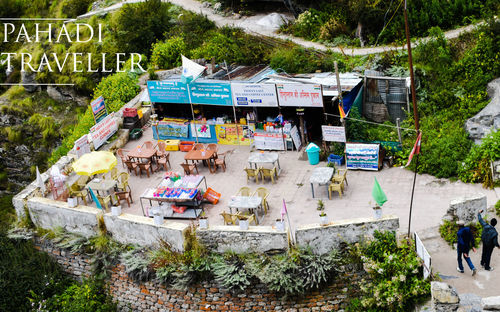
<point x="415" y="111"/>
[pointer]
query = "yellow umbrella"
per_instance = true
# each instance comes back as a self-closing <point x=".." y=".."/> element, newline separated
<point x="94" y="163"/>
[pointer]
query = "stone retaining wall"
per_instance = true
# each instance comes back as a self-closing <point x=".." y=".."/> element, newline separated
<point x="323" y="239"/>
<point x="155" y="297"/>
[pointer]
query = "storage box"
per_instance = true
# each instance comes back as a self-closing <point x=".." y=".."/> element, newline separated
<point x="139" y="113"/>
<point x="186" y="146"/>
<point x="172" y="145"/>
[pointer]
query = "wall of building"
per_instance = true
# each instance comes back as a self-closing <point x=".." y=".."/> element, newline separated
<point x="155" y="297"/>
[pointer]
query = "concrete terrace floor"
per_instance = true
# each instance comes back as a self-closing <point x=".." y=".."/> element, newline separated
<point x="432" y="199"/>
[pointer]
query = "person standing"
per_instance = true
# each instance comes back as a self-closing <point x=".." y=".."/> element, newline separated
<point x="464" y="244"/>
<point x="489" y="239"/>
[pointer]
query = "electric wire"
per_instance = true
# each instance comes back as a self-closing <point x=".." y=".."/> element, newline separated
<point x="373" y="123"/>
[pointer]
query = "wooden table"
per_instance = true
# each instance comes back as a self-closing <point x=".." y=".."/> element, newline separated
<point x="205" y="155"/>
<point x="251" y="203"/>
<point x="142" y="153"/>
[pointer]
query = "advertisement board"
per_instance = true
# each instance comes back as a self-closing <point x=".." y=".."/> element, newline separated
<point x="211" y="93"/>
<point x="168" y="92"/>
<point x="103" y="130"/>
<point x="254" y="94"/>
<point x="333" y="134"/>
<point x="299" y="95"/>
<point x="227" y="135"/>
<point x="171" y="129"/>
<point x="269" y="141"/>
<point x="362" y="156"/>
<point x="82" y="146"/>
<point x="200" y="131"/>
<point x="294" y="133"/>
<point x="98" y="109"/>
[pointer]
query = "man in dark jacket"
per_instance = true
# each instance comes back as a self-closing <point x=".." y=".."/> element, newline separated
<point x="464" y="244"/>
<point x="489" y="239"/>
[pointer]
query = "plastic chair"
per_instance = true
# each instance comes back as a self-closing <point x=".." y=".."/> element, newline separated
<point x="123" y="182"/>
<point x="121" y="153"/>
<point x="212" y="147"/>
<point x="263" y="193"/>
<point x="189" y="168"/>
<point x="335" y="187"/>
<point x="161" y="148"/>
<point x="148" y="145"/>
<point x="145" y="166"/>
<point x="198" y="146"/>
<point x="244" y="191"/>
<point x="268" y="173"/>
<point x="113" y="174"/>
<point x="221" y="162"/>
<point x="228" y="218"/>
<point x="105" y="201"/>
<point x="252" y="173"/>
<point x="82" y="182"/>
<point x="131" y="165"/>
<point x="123" y="196"/>
<point x="250" y="218"/>
<point x="74" y="191"/>
<point x="163" y="160"/>
<point x="340" y="176"/>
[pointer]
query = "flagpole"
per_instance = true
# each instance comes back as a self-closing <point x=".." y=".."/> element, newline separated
<point x="415" y="111"/>
<point x="192" y="112"/>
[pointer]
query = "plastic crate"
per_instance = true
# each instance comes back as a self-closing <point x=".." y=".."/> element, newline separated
<point x="336" y="159"/>
<point x="212" y="196"/>
<point x="186" y="146"/>
<point x="130" y="112"/>
<point x="172" y="145"/>
<point x="135" y="134"/>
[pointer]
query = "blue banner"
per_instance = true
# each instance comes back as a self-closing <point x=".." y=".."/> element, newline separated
<point x="168" y="92"/>
<point x="166" y="129"/>
<point x="211" y="93"/>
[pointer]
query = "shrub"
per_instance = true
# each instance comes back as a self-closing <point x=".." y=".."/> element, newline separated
<point x="448" y="231"/>
<point x="74" y="8"/>
<point x="167" y="54"/>
<point x="497" y="208"/>
<point x="395" y="282"/>
<point x="296" y="60"/>
<point x="231" y="273"/>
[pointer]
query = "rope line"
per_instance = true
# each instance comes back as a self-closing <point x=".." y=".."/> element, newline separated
<point x="373" y="123"/>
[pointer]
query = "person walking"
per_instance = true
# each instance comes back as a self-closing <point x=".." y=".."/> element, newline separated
<point x="464" y="244"/>
<point x="489" y="239"/>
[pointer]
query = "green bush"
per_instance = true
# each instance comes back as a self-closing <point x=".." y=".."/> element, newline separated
<point x="295" y="60"/>
<point x="395" y="280"/>
<point x="90" y="296"/>
<point x="167" y="54"/>
<point x="497" y="208"/>
<point x="448" y="231"/>
<point x="74" y="8"/>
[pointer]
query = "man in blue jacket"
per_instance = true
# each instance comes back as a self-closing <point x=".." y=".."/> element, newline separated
<point x="464" y="244"/>
<point x="489" y="239"/>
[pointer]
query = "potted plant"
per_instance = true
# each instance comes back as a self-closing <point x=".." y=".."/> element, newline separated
<point x="280" y="225"/>
<point x="243" y="225"/>
<point x="377" y="211"/>
<point x="203" y="223"/>
<point x="321" y="205"/>
<point x="323" y="218"/>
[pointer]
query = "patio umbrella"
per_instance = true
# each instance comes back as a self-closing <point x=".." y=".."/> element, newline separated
<point x="94" y="163"/>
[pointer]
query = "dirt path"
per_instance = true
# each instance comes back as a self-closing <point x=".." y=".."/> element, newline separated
<point x="249" y="24"/>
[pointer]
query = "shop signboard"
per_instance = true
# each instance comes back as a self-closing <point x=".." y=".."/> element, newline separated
<point x="294" y="133"/>
<point x="168" y="92"/>
<point x="82" y="146"/>
<point x="362" y="156"/>
<point x="299" y="95"/>
<point x="211" y="93"/>
<point x="103" y="130"/>
<point x="98" y="109"/>
<point x="254" y="94"/>
<point x="269" y="141"/>
<point x="333" y="134"/>
<point x="170" y="129"/>
<point x="227" y="135"/>
<point x="200" y="131"/>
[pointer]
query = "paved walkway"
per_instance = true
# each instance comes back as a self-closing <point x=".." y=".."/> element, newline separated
<point x="249" y="24"/>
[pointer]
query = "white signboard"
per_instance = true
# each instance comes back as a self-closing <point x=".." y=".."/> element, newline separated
<point x="103" y="130"/>
<point x="333" y="134"/>
<point x="299" y="95"/>
<point x="200" y="131"/>
<point x="361" y="156"/>
<point x="294" y="133"/>
<point x="82" y="146"/>
<point x="254" y="94"/>
<point x="268" y="141"/>
<point x="424" y="255"/>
